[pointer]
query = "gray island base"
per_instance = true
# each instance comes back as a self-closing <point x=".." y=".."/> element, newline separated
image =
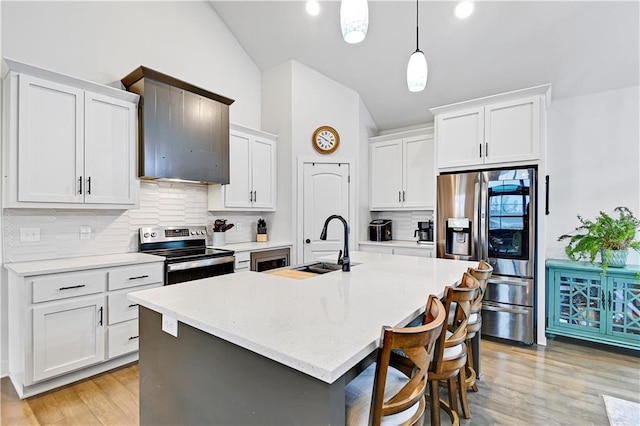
<point x="261" y="349"/>
<point x="199" y="379"/>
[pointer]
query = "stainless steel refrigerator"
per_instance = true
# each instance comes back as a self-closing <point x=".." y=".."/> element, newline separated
<point x="491" y="215"/>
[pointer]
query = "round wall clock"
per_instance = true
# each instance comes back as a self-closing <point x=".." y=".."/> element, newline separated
<point x="325" y="139"/>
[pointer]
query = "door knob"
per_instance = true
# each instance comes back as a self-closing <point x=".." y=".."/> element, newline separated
<point x="307" y="241"/>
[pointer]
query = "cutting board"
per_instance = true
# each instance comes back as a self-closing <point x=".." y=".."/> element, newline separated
<point x="289" y="273"/>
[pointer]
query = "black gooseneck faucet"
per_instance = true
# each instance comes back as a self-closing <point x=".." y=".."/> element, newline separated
<point x="342" y="260"/>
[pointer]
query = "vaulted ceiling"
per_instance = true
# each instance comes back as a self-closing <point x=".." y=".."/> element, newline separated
<point x="579" y="47"/>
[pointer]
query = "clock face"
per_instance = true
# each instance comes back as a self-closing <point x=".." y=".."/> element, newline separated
<point x="325" y="140"/>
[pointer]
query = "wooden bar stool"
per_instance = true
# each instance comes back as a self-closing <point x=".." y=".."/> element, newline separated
<point x="450" y="356"/>
<point x="482" y="273"/>
<point x="392" y="390"/>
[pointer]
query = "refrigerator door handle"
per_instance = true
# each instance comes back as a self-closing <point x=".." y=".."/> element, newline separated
<point x="511" y="310"/>
<point x="483" y="248"/>
<point x="509" y="282"/>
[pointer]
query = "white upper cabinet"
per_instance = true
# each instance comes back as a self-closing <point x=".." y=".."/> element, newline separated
<point x="69" y="143"/>
<point x="402" y="172"/>
<point x="500" y="129"/>
<point x="252" y="173"/>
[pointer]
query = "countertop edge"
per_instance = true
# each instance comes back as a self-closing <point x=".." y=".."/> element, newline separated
<point x="253" y="245"/>
<point x="399" y="243"/>
<point x="70" y="264"/>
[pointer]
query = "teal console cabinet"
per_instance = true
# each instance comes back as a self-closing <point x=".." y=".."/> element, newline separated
<point x="585" y="305"/>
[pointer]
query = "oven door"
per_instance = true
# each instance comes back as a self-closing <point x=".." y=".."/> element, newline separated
<point x="179" y="272"/>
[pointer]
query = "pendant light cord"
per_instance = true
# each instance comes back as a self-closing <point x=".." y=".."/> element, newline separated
<point x="417" y="28"/>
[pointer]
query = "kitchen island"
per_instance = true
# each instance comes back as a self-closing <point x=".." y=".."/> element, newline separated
<point x="257" y="348"/>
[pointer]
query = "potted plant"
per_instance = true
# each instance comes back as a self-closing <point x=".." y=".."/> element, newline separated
<point x="612" y="237"/>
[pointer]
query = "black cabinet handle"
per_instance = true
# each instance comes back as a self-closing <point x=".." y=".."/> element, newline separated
<point x="100" y="310"/>
<point x="609" y="305"/>
<point x="89" y="185"/>
<point x="403" y="197"/>
<point x="73" y="286"/>
<point x="603" y="300"/>
<point x="133" y="305"/>
<point x="139" y="277"/>
<point x="480" y="145"/>
<point x="133" y="337"/>
<point x="307" y="241"/>
<point x="80" y="180"/>
<point x="255" y="196"/>
<point x="399" y="196"/>
<point x="546" y="195"/>
<point x="486" y="149"/>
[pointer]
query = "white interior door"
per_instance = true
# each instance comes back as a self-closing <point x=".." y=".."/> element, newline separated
<point x="326" y="191"/>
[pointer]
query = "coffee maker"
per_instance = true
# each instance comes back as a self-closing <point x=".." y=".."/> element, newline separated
<point x="424" y="232"/>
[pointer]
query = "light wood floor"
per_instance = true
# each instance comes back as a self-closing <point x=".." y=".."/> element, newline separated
<point x="561" y="384"/>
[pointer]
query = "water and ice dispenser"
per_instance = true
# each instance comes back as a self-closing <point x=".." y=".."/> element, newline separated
<point x="458" y="236"/>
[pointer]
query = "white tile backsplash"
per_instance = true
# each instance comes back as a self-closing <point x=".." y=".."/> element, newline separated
<point x="116" y="231"/>
<point x="404" y="223"/>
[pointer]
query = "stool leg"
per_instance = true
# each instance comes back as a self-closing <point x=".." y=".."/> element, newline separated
<point x="434" y="393"/>
<point x="453" y="393"/>
<point x="474" y="385"/>
<point x="463" y="393"/>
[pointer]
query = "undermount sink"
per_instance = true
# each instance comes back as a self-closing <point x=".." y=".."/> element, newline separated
<point x="320" y="267"/>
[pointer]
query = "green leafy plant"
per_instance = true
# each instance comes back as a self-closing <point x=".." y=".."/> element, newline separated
<point x="605" y="233"/>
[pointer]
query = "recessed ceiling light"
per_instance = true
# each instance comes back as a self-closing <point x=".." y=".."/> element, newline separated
<point x="313" y="7"/>
<point x="464" y="9"/>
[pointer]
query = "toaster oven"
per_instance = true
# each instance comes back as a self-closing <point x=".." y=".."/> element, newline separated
<point x="380" y="230"/>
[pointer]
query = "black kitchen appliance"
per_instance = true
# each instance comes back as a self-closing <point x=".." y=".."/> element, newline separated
<point x="380" y="230"/>
<point x="424" y="232"/>
<point x="187" y="257"/>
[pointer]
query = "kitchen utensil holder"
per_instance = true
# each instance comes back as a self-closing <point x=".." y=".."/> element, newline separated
<point x="261" y="238"/>
<point x="219" y="239"/>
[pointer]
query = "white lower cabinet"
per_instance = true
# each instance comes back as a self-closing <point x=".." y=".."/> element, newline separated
<point x="67" y="336"/>
<point x="66" y="326"/>
<point x="405" y="251"/>
<point x="243" y="261"/>
<point x="123" y="338"/>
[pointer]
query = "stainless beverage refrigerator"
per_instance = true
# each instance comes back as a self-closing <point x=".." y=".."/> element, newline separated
<point x="491" y="215"/>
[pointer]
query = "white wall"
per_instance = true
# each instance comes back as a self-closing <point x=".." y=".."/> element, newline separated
<point x="593" y="160"/>
<point x="296" y="100"/>
<point x="103" y="42"/>
<point x="276" y="118"/>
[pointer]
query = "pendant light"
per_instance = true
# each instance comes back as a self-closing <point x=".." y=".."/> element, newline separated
<point x="417" y="69"/>
<point x="354" y="20"/>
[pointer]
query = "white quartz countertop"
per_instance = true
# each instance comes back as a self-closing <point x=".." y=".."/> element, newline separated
<point x="68" y="264"/>
<point x="322" y="325"/>
<point x="399" y="243"/>
<point x="254" y="245"/>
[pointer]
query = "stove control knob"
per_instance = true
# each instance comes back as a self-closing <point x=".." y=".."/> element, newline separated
<point x="193" y="232"/>
<point x="146" y="235"/>
<point x="153" y="234"/>
<point x="203" y="232"/>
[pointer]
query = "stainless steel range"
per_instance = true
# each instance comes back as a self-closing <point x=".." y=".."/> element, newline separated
<point x="187" y="256"/>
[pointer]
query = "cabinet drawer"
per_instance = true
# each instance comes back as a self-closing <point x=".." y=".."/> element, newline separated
<point x="243" y="261"/>
<point x="61" y="286"/>
<point x="120" y="308"/>
<point x="133" y="276"/>
<point x="123" y="338"/>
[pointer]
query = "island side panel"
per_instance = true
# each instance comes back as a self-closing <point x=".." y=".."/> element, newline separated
<point x="197" y="378"/>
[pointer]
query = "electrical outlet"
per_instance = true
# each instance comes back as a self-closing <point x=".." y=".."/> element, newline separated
<point x="85" y="233"/>
<point x="170" y="325"/>
<point x="29" y="235"/>
<point x="238" y="226"/>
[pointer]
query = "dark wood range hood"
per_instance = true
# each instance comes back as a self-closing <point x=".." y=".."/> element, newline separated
<point x="184" y="129"/>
